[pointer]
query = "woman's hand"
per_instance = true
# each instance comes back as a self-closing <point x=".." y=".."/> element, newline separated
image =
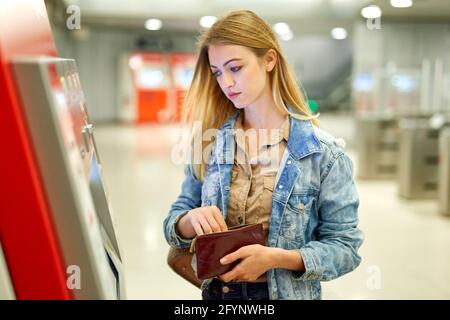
<point x="200" y="221"/>
<point x="257" y="259"/>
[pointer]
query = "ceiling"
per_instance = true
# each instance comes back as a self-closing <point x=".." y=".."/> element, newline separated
<point x="304" y="16"/>
<point x="430" y="10"/>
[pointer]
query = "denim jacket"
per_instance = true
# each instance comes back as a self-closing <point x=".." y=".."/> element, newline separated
<point x="314" y="206"/>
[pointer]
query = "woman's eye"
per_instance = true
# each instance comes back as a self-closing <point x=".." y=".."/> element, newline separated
<point x="216" y="74"/>
<point x="235" y="69"/>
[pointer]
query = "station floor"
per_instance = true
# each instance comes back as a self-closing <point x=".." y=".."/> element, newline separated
<point x="406" y="253"/>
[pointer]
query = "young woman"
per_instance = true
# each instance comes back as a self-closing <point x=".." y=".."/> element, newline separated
<point x="268" y="163"/>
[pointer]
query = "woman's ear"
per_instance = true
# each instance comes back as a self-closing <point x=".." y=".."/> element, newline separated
<point x="270" y="59"/>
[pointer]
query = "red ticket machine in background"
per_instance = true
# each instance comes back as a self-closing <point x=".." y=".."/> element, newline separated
<point x="150" y="76"/>
<point x="182" y="69"/>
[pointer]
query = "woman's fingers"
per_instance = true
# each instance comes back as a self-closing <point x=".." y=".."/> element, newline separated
<point x="212" y="221"/>
<point x="204" y="223"/>
<point x="197" y="228"/>
<point x="219" y="218"/>
<point x="207" y="220"/>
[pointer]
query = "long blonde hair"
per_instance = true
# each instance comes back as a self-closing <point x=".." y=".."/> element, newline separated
<point x="205" y="100"/>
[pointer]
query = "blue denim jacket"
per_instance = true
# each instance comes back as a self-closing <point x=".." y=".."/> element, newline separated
<point x="314" y="206"/>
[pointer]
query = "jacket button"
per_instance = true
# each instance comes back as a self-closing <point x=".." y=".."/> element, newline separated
<point x="225" y="289"/>
<point x="280" y="186"/>
<point x="301" y="206"/>
<point x="289" y="162"/>
<point x="240" y="220"/>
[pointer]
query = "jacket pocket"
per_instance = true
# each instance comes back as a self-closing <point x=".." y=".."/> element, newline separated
<point x="301" y="204"/>
<point x="296" y="216"/>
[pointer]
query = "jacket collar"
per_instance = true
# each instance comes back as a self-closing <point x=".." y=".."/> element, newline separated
<point x="302" y="140"/>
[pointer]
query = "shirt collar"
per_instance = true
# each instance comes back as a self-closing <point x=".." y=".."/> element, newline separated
<point x="302" y="143"/>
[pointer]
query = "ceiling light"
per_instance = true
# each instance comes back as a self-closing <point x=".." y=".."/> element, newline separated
<point x="135" y="62"/>
<point x="281" y="28"/>
<point x="153" y="24"/>
<point x="339" y="33"/>
<point x="287" y="36"/>
<point x="207" y="21"/>
<point x="371" y="12"/>
<point x="401" y="3"/>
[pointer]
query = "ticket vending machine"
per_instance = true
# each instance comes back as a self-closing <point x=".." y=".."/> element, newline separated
<point x="182" y="67"/>
<point x="150" y="76"/>
<point x="55" y="113"/>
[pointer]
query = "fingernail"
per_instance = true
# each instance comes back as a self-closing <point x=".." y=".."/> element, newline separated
<point x="223" y="261"/>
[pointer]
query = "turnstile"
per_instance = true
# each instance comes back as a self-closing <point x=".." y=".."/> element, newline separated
<point x="418" y="158"/>
<point x="377" y="145"/>
<point x="444" y="170"/>
<point x="56" y="116"/>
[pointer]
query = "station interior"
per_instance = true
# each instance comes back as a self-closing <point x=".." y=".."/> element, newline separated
<point x="89" y="187"/>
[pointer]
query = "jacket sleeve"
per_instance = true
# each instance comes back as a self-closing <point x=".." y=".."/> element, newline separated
<point x="189" y="198"/>
<point x="334" y="252"/>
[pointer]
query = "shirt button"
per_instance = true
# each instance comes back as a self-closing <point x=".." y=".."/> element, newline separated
<point x="280" y="186"/>
<point x="289" y="162"/>
<point x="225" y="289"/>
<point x="240" y="220"/>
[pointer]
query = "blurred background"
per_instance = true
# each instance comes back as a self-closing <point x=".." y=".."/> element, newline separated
<point x="364" y="74"/>
<point x="377" y="71"/>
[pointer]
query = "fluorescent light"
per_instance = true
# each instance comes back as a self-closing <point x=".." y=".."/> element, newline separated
<point x="207" y="21"/>
<point x="153" y="24"/>
<point x="287" y="36"/>
<point x="281" y="28"/>
<point x="401" y="3"/>
<point x="135" y="62"/>
<point x="371" y="12"/>
<point x="339" y="33"/>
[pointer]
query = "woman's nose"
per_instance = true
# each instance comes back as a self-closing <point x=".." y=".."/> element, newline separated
<point x="228" y="80"/>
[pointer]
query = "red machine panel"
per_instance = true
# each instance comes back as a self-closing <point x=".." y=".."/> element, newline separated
<point x="27" y="232"/>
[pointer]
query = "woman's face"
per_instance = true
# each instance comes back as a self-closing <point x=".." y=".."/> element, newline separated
<point x="242" y="76"/>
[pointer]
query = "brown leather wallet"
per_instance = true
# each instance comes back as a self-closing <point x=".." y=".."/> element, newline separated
<point x="210" y="248"/>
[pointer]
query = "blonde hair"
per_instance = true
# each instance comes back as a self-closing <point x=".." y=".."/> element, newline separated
<point x="205" y="100"/>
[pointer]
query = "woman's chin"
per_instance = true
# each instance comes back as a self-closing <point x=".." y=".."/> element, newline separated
<point x="238" y="105"/>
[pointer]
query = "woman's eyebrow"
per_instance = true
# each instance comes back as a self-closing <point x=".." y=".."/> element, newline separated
<point x="234" y="59"/>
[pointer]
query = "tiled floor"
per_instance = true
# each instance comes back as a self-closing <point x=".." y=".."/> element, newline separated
<point x="406" y="253"/>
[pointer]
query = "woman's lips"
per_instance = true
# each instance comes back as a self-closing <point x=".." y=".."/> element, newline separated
<point x="233" y="95"/>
